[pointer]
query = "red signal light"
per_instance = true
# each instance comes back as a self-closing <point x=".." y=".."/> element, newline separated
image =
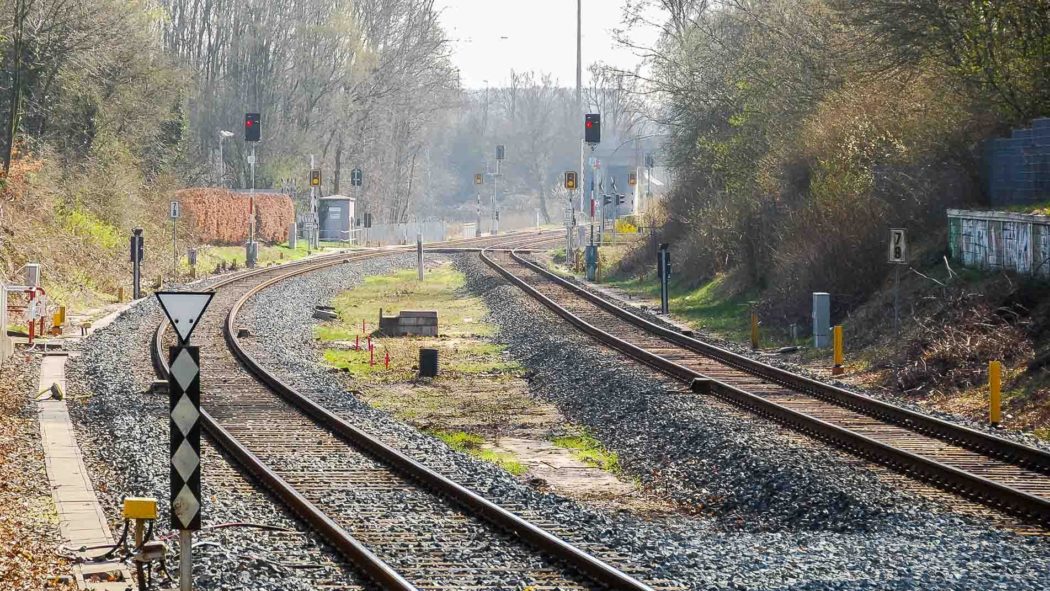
<point x="248" y="123"/>
<point x="590" y="124"/>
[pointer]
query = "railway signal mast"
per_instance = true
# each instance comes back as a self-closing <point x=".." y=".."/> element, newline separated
<point x="592" y="136"/>
<point x="313" y="223"/>
<point x="479" y="179"/>
<point x="501" y="153"/>
<point x="252" y="135"/>
<point x="570" y="215"/>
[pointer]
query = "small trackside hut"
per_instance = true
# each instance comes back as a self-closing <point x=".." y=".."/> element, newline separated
<point x="336" y="215"/>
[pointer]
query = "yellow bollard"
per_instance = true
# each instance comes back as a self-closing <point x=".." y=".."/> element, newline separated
<point x="754" y="329"/>
<point x="836" y="336"/>
<point x="995" y="376"/>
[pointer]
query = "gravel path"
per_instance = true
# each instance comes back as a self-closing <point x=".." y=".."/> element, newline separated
<point x="784" y="513"/>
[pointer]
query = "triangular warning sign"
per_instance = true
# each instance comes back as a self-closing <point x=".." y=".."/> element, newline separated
<point x="184" y="309"/>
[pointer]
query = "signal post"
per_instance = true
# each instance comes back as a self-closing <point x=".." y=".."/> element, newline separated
<point x="570" y="215"/>
<point x="252" y="135"/>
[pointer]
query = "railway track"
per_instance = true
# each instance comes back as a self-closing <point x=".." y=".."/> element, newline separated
<point x="405" y="526"/>
<point x="996" y="472"/>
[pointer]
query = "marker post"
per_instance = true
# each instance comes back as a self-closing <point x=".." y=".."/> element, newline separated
<point x="184" y="310"/>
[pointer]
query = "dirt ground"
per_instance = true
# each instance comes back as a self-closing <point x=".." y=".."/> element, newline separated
<point x="479" y="403"/>
<point x="28" y="519"/>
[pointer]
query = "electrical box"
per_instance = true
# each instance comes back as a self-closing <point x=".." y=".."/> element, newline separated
<point x="590" y="255"/>
<point x="33" y="274"/>
<point x="821" y="320"/>
<point x="140" y="508"/>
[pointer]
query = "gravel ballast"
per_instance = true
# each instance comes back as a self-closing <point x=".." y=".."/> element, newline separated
<point x="780" y="514"/>
<point x="123" y="431"/>
<point x="783" y="513"/>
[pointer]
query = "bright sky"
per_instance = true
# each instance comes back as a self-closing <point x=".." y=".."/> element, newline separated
<point x="493" y="37"/>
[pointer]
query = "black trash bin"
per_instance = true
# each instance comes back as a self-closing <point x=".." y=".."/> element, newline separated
<point x="428" y="363"/>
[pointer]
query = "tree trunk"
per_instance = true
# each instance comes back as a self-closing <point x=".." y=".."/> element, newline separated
<point x="16" y="86"/>
<point x="543" y="202"/>
<point x="338" y="167"/>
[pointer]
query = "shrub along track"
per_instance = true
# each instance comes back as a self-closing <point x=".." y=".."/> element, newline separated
<point x="340" y="480"/>
<point x="996" y="472"/>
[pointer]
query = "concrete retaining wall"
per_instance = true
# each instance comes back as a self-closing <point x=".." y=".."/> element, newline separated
<point x="1000" y="240"/>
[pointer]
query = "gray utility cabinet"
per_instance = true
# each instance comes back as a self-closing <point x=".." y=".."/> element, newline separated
<point x="336" y="216"/>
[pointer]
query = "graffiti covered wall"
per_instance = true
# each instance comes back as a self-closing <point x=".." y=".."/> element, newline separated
<point x="1000" y="240"/>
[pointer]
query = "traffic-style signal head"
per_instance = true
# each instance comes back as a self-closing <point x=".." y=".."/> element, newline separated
<point x="252" y="127"/>
<point x="632" y="178"/>
<point x="570" y="180"/>
<point x="501" y="152"/>
<point x="592" y="128"/>
<point x="479" y="179"/>
<point x="315" y="178"/>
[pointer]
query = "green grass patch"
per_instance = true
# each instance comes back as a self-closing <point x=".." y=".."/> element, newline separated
<point x="475" y="358"/>
<point x="471" y="443"/>
<point x="705" y="307"/>
<point x="460" y="315"/>
<point x="354" y="362"/>
<point x="209" y="257"/>
<point x="590" y="451"/>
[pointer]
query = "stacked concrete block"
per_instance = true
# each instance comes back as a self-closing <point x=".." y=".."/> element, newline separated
<point x="1016" y="170"/>
<point x="418" y="323"/>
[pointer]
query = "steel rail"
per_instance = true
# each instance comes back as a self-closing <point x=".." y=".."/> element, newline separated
<point x="357" y="553"/>
<point x="970" y="485"/>
<point x="984" y="443"/>
<point x="474" y="503"/>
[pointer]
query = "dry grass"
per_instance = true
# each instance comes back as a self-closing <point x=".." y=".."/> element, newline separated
<point x="28" y="521"/>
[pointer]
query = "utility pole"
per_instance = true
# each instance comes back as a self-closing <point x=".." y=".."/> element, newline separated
<point x="579" y="91"/>
<point x="579" y="58"/>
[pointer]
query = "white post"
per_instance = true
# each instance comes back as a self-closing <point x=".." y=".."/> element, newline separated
<point x="222" y="165"/>
<point x="185" y="560"/>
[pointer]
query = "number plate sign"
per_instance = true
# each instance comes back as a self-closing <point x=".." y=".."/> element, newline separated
<point x="176" y="210"/>
<point x="898" y="246"/>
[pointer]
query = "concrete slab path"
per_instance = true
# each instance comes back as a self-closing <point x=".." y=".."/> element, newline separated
<point x="81" y="519"/>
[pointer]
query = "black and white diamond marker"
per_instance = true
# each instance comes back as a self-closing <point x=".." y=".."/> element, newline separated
<point x="185" y="434"/>
<point x="184" y="310"/>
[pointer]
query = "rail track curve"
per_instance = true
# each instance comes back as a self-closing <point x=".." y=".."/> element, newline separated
<point x="240" y="418"/>
<point x="997" y="472"/>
